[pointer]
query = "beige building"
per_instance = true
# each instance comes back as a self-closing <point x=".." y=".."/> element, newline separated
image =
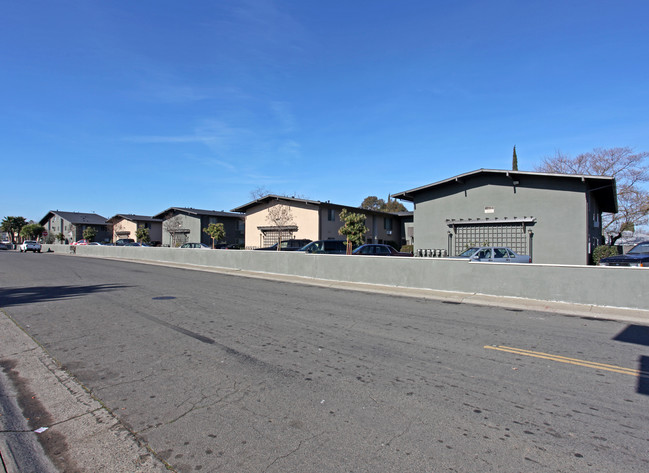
<point x="126" y="225"/>
<point x="273" y="215"/>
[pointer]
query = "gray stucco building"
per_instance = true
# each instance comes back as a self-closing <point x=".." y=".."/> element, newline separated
<point x="185" y="225"/>
<point x="555" y="218"/>
<point x="72" y="225"/>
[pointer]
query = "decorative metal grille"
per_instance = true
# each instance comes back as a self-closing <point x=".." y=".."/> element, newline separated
<point x="512" y="235"/>
<point x="272" y="236"/>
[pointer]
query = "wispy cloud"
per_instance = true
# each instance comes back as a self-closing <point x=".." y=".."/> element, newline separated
<point x="217" y="135"/>
<point x="284" y="116"/>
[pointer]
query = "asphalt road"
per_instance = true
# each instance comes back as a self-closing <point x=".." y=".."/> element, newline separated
<point x="224" y="373"/>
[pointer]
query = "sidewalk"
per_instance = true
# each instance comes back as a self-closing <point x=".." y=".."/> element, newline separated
<point x="81" y="436"/>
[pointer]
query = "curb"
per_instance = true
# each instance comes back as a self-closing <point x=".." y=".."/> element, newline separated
<point x="81" y="434"/>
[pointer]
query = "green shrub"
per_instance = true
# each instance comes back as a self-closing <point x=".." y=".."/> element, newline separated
<point x="407" y="248"/>
<point x="604" y="251"/>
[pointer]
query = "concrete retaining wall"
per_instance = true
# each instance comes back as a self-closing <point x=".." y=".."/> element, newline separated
<point x="591" y="285"/>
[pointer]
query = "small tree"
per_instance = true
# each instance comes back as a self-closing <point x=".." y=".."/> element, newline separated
<point x="215" y="231"/>
<point x="354" y="229"/>
<point x="142" y="235"/>
<point x="61" y="237"/>
<point x="32" y="231"/>
<point x="280" y="216"/>
<point x="89" y="233"/>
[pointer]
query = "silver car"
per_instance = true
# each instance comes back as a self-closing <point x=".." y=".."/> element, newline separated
<point x="493" y="254"/>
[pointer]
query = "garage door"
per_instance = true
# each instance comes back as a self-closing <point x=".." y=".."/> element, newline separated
<point x="512" y="235"/>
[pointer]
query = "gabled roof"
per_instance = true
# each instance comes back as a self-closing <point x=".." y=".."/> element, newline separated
<point x="76" y="218"/>
<point x="197" y="212"/>
<point x="270" y="197"/>
<point x="316" y="203"/>
<point x="134" y="218"/>
<point x="603" y="188"/>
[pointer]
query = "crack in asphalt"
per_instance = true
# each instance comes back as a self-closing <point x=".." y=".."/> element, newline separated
<point x="292" y="452"/>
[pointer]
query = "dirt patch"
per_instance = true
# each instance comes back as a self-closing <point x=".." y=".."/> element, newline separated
<point x="53" y="443"/>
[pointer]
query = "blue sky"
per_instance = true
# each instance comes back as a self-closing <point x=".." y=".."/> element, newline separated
<point x="136" y="106"/>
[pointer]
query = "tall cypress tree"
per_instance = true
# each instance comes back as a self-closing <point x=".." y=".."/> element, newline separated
<point x="514" y="160"/>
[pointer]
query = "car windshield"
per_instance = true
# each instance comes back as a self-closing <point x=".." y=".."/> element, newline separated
<point x="468" y="253"/>
<point x="639" y="249"/>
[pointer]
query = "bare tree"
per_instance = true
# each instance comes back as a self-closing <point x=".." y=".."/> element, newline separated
<point x="173" y="226"/>
<point x="259" y="192"/>
<point x="280" y="216"/>
<point x="117" y="229"/>
<point x="629" y="169"/>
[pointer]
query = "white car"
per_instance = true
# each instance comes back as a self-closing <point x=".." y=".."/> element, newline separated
<point x="30" y="245"/>
<point x="201" y="246"/>
<point x="493" y="254"/>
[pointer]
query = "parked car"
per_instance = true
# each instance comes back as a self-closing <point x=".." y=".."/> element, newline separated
<point x="326" y="246"/>
<point x="30" y="245"/>
<point x="5" y="245"/>
<point x="638" y="257"/>
<point x="80" y="242"/>
<point x="201" y="246"/>
<point x="287" y="245"/>
<point x="377" y="249"/>
<point x="124" y="241"/>
<point x="493" y="254"/>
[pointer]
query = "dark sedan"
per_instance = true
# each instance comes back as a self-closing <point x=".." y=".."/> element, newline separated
<point x="638" y="257"/>
<point x="374" y="249"/>
<point x="287" y="245"/>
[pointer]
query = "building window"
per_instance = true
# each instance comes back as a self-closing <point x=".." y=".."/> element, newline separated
<point x="331" y="215"/>
<point x="387" y="223"/>
<point x="212" y="219"/>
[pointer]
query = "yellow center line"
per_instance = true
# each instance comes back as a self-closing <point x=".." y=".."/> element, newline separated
<point x="572" y="361"/>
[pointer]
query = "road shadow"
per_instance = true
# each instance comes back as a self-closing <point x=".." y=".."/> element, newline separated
<point x="643" y="379"/>
<point x="638" y="334"/>
<point x="28" y="295"/>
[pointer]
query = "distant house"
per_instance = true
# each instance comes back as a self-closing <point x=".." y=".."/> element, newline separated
<point x="310" y="219"/>
<point x="126" y="225"/>
<point x="555" y="218"/>
<point x="73" y="224"/>
<point x="185" y="225"/>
